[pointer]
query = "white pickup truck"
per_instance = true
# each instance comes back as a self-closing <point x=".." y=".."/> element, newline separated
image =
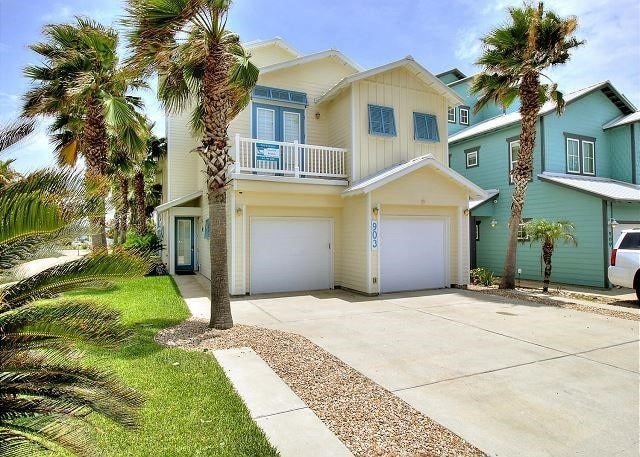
<point x="625" y="261"/>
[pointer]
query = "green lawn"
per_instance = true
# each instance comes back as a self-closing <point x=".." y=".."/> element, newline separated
<point x="191" y="408"/>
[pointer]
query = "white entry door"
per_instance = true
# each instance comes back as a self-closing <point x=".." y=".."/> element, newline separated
<point x="413" y="253"/>
<point x="291" y="254"/>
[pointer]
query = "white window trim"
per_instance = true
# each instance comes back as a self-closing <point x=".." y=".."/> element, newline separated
<point x="521" y="227"/>
<point x="579" y="170"/>
<point x="474" y="154"/>
<point x="449" y="120"/>
<point x="466" y="110"/>
<point x="273" y="130"/>
<point x="511" y="161"/>
<point x="284" y="125"/>
<point x="593" y="146"/>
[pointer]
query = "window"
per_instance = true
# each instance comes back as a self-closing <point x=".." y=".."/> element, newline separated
<point x="464" y="115"/>
<point x="514" y="153"/>
<point x="573" y="155"/>
<point x="265" y="124"/>
<point x="282" y="95"/>
<point x="588" y="158"/>
<point x="425" y="127"/>
<point x="277" y="123"/>
<point x="472" y="157"/>
<point x="581" y="154"/>
<point x="451" y="115"/>
<point x="381" y="121"/>
<point x="522" y="233"/>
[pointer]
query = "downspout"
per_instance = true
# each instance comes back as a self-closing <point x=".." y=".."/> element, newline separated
<point x="634" y="177"/>
<point x="542" y="141"/>
<point x="605" y="243"/>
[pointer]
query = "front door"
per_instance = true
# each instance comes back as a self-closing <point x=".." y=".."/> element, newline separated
<point x="184" y="245"/>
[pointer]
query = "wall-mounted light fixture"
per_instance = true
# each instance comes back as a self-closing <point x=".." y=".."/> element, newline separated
<point x="466" y="212"/>
<point x="238" y="211"/>
<point x="318" y="115"/>
<point x="375" y="210"/>
<point x="494" y="222"/>
<point x="613" y="223"/>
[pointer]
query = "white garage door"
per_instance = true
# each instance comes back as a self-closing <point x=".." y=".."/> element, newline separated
<point x="412" y="253"/>
<point x="290" y="254"/>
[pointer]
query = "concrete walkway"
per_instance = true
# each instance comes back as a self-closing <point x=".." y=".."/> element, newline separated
<point x="291" y="427"/>
<point x="511" y="377"/>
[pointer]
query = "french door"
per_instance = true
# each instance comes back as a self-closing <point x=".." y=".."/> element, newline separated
<point x="184" y="245"/>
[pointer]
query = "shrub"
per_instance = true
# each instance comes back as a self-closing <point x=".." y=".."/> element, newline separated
<point x="146" y="243"/>
<point x="482" y="276"/>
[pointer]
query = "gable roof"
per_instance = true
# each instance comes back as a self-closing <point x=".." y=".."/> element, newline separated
<point x="391" y="174"/>
<point x="606" y="188"/>
<point x="277" y="41"/>
<point x="622" y="120"/>
<point x="454" y="71"/>
<point x="312" y="58"/>
<point x="462" y="80"/>
<point x="505" y="120"/>
<point x="410" y="64"/>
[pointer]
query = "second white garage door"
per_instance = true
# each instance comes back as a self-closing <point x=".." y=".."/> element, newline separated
<point x="290" y="254"/>
<point x="413" y="253"/>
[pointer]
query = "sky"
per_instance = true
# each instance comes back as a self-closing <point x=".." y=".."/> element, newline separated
<point x="439" y="34"/>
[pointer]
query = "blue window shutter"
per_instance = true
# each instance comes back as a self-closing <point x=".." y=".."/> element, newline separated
<point x="381" y="121"/>
<point x="425" y="127"/>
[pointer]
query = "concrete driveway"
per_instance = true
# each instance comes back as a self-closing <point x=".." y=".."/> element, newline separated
<point x="513" y="378"/>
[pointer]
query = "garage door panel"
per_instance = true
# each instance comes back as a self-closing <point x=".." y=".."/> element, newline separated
<point x="413" y="253"/>
<point x="290" y="254"/>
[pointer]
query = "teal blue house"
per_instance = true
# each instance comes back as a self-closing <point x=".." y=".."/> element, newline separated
<point x="586" y="170"/>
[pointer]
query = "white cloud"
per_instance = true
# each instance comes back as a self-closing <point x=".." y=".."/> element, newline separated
<point x="611" y="51"/>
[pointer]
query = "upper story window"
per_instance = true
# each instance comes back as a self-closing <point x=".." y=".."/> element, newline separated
<point x="425" y="127"/>
<point x="514" y="154"/>
<point x="280" y="95"/>
<point x="277" y="123"/>
<point x="581" y="154"/>
<point x="464" y="115"/>
<point x="472" y="157"/>
<point x="381" y="121"/>
<point x="451" y="115"/>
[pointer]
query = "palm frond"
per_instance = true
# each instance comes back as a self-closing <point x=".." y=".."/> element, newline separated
<point x="15" y="132"/>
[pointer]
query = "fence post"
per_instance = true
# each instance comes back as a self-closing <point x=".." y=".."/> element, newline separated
<point x="296" y="158"/>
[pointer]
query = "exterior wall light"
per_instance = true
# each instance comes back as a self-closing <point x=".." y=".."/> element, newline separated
<point x="376" y="210"/>
<point x="613" y="223"/>
<point x="318" y="115"/>
<point x="494" y="222"/>
<point x="238" y="211"/>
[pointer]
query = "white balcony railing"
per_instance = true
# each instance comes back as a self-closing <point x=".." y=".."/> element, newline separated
<point x="288" y="159"/>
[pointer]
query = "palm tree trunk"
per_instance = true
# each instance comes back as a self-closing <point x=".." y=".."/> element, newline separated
<point x="95" y="134"/>
<point x="547" y="252"/>
<point x="216" y="103"/>
<point x="124" y="207"/>
<point x="116" y="227"/>
<point x="140" y="207"/>
<point x="522" y="172"/>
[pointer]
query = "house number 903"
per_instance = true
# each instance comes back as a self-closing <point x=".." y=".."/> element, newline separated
<point x="374" y="235"/>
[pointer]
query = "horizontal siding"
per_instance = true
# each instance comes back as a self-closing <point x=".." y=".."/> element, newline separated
<point x="269" y="55"/>
<point x="182" y="164"/>
<point x="582" y="265"/>
<point x="582" y="117"/>
<point x="619" y="140"/>
<point x="405" y="94"/>
<point x="488" y="111"/>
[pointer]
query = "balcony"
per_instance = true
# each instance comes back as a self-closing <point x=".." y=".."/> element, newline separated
<point x="275" y="158"/>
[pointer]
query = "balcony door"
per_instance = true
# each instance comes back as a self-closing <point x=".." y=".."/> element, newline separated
<point x="278" y="123"/>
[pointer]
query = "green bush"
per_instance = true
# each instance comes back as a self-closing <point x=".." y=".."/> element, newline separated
<point x="147" y="243"/>
<point x="482" y="276"/>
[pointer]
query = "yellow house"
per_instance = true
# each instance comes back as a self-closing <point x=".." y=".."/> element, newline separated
<point x="340" y="180"/>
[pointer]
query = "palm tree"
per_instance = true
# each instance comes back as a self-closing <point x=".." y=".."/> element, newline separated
<point x="202" y="65"/>
<point x="46" y="393"/>
<point x="513" y="60"/>
<point x="81" y="85"/>
<point x="11" y="135"/>
<point x="548" y="233"/>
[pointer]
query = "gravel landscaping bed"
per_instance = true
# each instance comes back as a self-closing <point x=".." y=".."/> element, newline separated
<point x="367" y="418"/>
<point x="549" y="300"/>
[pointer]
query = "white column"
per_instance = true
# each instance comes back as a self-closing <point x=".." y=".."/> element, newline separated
<point x="296" y="158"/>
